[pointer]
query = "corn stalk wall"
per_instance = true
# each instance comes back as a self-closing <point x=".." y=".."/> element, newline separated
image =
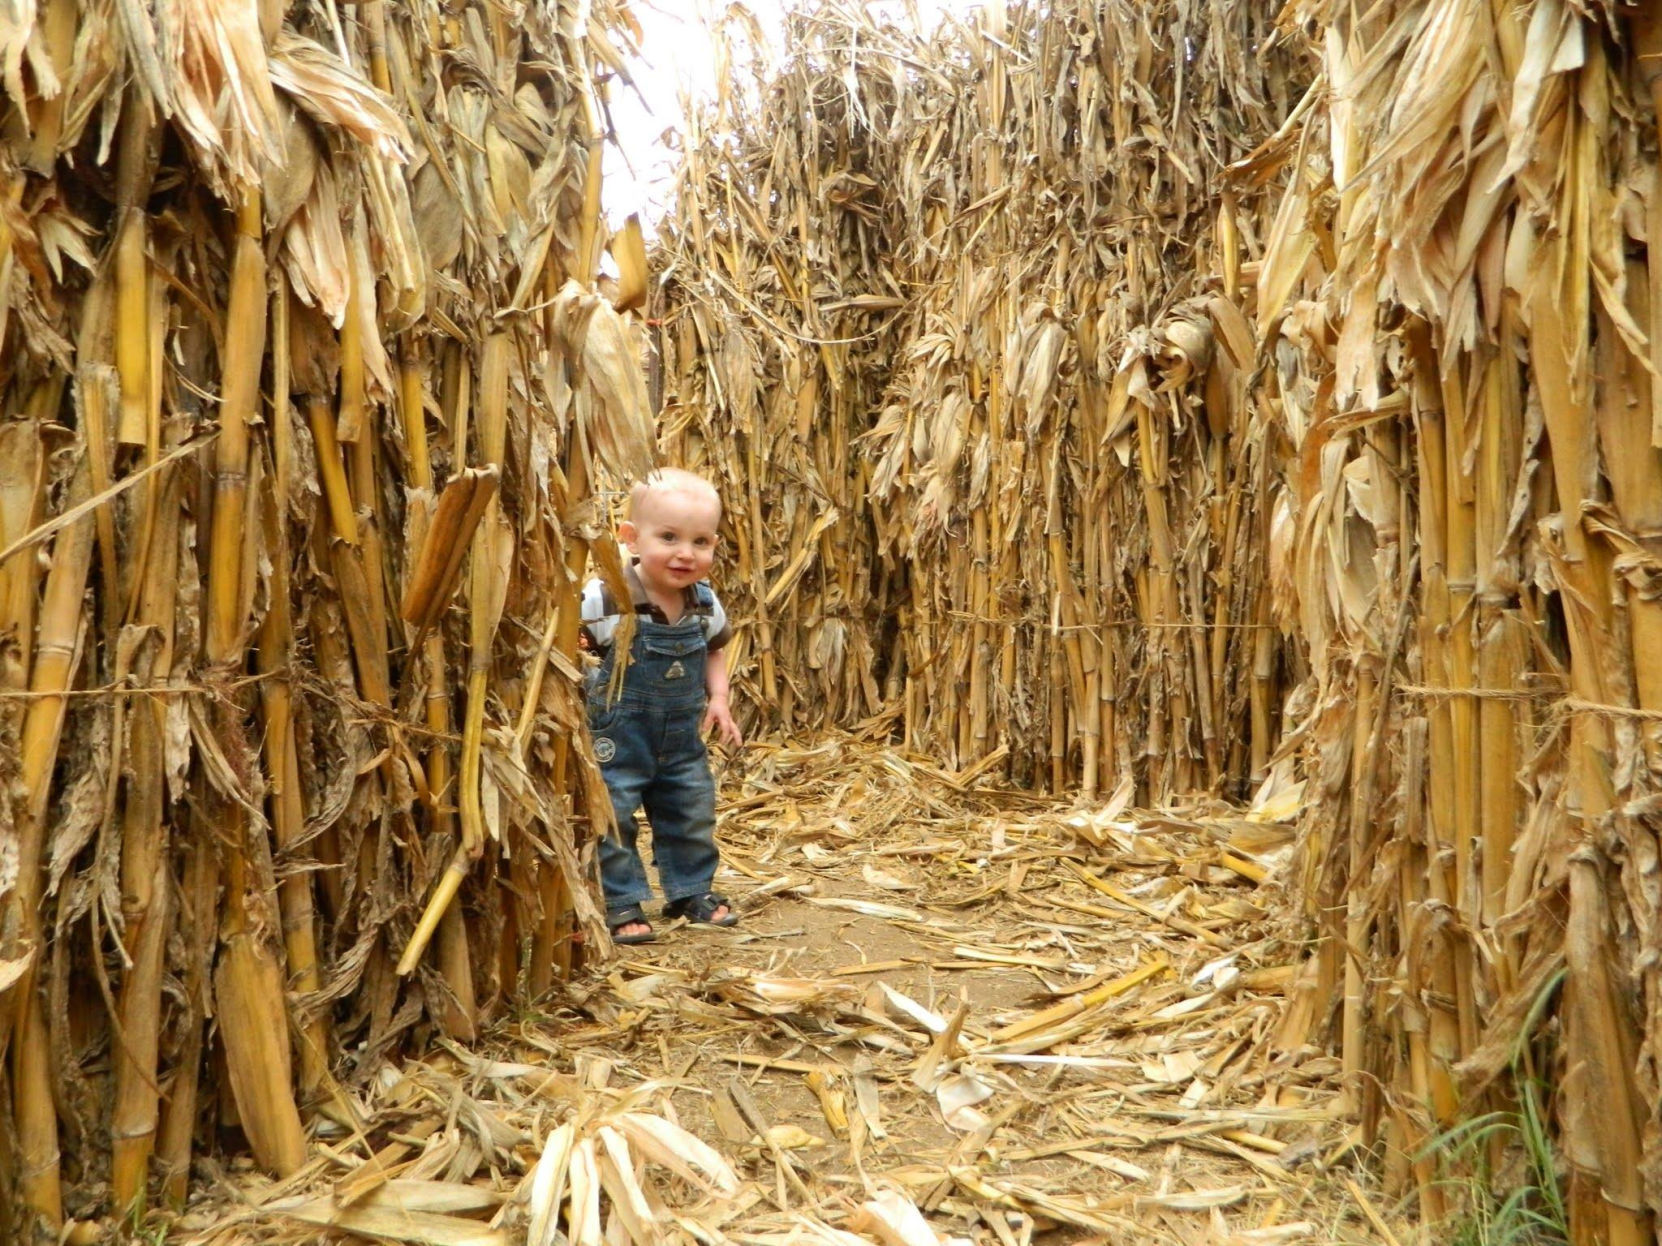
<point x="302" y="383"/>
<point x="1199" y="397"/>
<point x="945" y="315"/>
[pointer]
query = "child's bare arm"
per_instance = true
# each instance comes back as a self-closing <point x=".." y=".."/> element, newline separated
<point x="718" y="714"/>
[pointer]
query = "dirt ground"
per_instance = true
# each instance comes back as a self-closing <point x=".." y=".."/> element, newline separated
<point x="950" y="1013"/>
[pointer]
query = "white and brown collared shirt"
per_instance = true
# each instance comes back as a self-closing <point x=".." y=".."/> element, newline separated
<point x="600" y="612"/>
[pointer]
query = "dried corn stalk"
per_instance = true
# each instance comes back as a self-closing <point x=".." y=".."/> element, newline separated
<point x="1093" y="411"/>
<point x="958" y="322"/>
<point x="274" y="281"/>
<point x="1458" y="298"/>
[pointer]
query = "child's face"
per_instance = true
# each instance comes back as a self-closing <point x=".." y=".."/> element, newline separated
<point x="673" y="535"/>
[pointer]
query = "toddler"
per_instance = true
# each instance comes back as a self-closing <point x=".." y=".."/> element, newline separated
<point x="648" y="738"/>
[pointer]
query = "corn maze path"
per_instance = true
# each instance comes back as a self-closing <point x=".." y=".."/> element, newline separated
<point x="951" y="1013"/>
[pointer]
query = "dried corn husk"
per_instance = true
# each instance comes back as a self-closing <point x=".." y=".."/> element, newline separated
<point x="267" y="383"/>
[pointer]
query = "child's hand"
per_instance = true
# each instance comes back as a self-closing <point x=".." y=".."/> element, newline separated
<point x="720" y="717"/>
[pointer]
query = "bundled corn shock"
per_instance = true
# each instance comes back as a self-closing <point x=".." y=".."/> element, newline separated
<point x="304" y="383"/>
<point x="960" y="323"/>
<point x="1198" y="396"/>
<point x="1464" y="314"/>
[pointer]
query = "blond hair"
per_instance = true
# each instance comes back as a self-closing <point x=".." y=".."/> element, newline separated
<point x="668" y="480"/>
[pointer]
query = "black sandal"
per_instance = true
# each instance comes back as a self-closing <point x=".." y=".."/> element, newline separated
<point x="701" y="910"/>
<point x="617" y="919"/>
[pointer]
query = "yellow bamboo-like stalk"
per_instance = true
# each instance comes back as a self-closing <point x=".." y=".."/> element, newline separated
<point x="1076" y="689"/>
<point x="1447" y="984"/>
<point x="198" y="896"/>
<point x="443" y="544"/>
<point x="492" y="550"/>
<point x="438" y="904"/>
<point x="134" y="1117"/>
<point x="550" y="950"/>
<point x="336" y="492"/>
<point x="132" y="356"/>
<point x="1599" y="1031"/>
<point x="282" y="400"/>
<point x="456" y="399"/>
<point x="134" y="175"/>
<point x="1430" y="1085"/>
<point x="413" y="412"/>
<point x="492" y="547"/>
<point x="362" y="570"/>
<point x="275" y="654"/>
<point x="1160" y="609"/>
<point x="1502" y="644"/>
<point x="458" y="1015"/>
<point x="375" y="27"/>
<point x="1355" y="997"/>
<point x="978" y="744"/>
<point x="356" y="574"/>
<point x="1200" y="666"/>
<point x="57" y="653"/>
<point x="248" y="979"/>
<point x="21" y="464"/>
<point x="351" y="415"/>
<point x="146" y="883"/>
<point x="1462" y="576"/>
<point x="567" y="612"/>
<point x="355" y="550"/>
<point x="157" y="318"/>
<point x="1058" y="716"/>
<point x="758" y="570"/>
<point x="1220" y="637"/>
<point x="146" y="898"/>
<point x="99" y="435"/>
<point x="239" y="400"/>
<point x="586" y="258"/>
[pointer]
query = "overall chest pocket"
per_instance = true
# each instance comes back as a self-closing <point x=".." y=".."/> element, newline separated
<point x="673" y="658"/>
<point x="673" y="646"/>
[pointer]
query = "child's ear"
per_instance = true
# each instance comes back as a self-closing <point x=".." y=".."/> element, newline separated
<point x="627" y="532"/>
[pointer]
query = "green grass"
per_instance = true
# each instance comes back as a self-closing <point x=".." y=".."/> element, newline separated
<point x="1529" y="1213"/>
<point x="138" y="1230"/>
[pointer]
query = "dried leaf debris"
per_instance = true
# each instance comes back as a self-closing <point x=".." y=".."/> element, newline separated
<point x="1008" y="1052"/>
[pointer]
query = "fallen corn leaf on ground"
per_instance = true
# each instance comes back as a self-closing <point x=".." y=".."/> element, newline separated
<point x="949" y="1012"/>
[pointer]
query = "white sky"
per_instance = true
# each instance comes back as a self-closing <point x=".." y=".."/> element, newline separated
<point x="678" y="56"/>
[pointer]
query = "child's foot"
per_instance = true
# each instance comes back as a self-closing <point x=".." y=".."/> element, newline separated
<point x="629" y="925"/>
<point x="708" y="909"/>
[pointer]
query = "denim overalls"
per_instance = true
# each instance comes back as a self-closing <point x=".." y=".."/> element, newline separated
<point x="652" y="754"/>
